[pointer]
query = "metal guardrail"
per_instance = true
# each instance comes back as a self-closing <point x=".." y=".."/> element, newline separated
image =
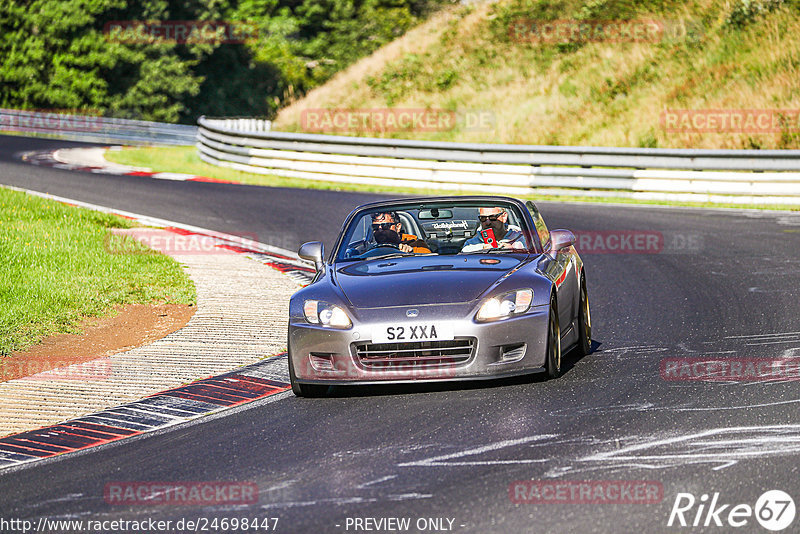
<point x="771" y="175"/>
<point x="246" y="124"/>
<point x="96" y="129"/>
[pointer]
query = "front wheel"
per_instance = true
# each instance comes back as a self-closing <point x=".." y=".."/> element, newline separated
<point x="584" y="321"/>
<point x="553" y="363"/>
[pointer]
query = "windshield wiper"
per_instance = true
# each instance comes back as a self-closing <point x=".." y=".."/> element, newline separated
<point x="498" y="250"/>
<point x="487" y="251"/>
<point x="389" y="256"/>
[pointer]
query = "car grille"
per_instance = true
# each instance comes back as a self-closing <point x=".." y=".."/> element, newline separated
<point x="416" y="354"/>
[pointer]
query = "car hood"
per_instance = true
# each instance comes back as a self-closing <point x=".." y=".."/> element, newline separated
<point x="421" y="280"/>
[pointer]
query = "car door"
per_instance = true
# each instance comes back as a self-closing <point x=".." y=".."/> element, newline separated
<point x="560" y="269"/>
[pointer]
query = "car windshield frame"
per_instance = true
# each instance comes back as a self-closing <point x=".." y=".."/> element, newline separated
<point x="355" y="229"/>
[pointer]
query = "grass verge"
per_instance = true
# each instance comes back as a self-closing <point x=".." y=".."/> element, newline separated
<point x="56" y="270"/>
<point x="494" y="60"/>
<point x="185" y="160"/>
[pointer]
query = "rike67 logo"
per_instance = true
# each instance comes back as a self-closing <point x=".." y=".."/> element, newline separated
<point x="774" y="510"/>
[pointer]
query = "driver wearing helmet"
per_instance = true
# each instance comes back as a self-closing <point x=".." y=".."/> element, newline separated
<point x="387" y="230"/>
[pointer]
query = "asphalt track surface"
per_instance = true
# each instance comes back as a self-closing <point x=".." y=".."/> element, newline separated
<point x="453" y="451"/>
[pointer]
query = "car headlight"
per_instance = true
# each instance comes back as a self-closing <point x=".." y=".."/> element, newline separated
<point x="505" y="305"/>
<point x="322" y="313"/>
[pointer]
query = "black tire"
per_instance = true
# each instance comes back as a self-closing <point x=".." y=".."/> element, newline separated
<point x="553" y="362"/>
<point x="304" y="390"/>
<point x="584" y="321"/>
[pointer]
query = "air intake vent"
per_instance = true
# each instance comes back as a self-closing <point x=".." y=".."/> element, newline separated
<point x="511" y="353"/>
<point x="421" y="354"/>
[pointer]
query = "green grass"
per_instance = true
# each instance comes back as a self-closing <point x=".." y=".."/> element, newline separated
<point x="712" y="54"/>
<point x="185" y="160"/>
<point x="56" y="270"/>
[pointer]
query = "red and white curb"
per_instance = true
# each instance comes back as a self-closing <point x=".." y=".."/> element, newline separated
<point x="162" y="410"/>
<point x="92" y="160"/>
<point x="280" y="259"/>
<point x="174" y="406"/>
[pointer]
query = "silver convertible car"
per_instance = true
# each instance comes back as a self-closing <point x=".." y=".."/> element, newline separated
<point x="437" y="289"/>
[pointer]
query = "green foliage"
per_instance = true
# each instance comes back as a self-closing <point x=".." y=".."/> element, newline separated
<point x="611" y="9"/>
<point x="567" y="88"/>
<point x="446" y="79"/>
<point x="59" y="54"/>
<point x="746" y="11"/>
<point x="398" y="78"/>
<point x="648" y="140"/>
<point x="334" y="26"/>
<point x="511" y="20"/>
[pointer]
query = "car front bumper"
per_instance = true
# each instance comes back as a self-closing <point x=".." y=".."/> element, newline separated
<point x="512" y="346"/>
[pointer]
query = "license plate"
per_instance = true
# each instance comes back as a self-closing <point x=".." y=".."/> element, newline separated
<point x="411" y="332"/>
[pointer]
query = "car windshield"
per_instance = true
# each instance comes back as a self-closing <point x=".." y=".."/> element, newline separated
<point x="434" y="229"/>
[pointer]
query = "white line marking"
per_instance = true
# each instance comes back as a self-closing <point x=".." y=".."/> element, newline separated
<point x="440" y="460"/>
<point x="334" y="500"/>
<point x="177" y="176"/>
<point x="621" y="453"/>
<point x="771" y="342"/>
<point x="723" y="466"/>
<point x="408" y="496"/>
<point x="763" y="335"/>
<point x="742" y="407"/>
<point x="376" y="481"/>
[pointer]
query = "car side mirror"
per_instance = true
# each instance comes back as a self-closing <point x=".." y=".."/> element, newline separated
<point x="560" y="239"/>
<point x="313" y="251"/>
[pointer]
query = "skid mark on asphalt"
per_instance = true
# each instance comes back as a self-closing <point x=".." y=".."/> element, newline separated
<point x="607" y="409"/>
<point x="347" y="500"/>
<point x="392" y="487"/>
<point x="742" y="407"/>
<point x="769" y="339"/>
<point x="443" y="460"/>
<point x="376" y="481"/>
<point x="650" y="407"/>
<point x="717" y="448"/>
